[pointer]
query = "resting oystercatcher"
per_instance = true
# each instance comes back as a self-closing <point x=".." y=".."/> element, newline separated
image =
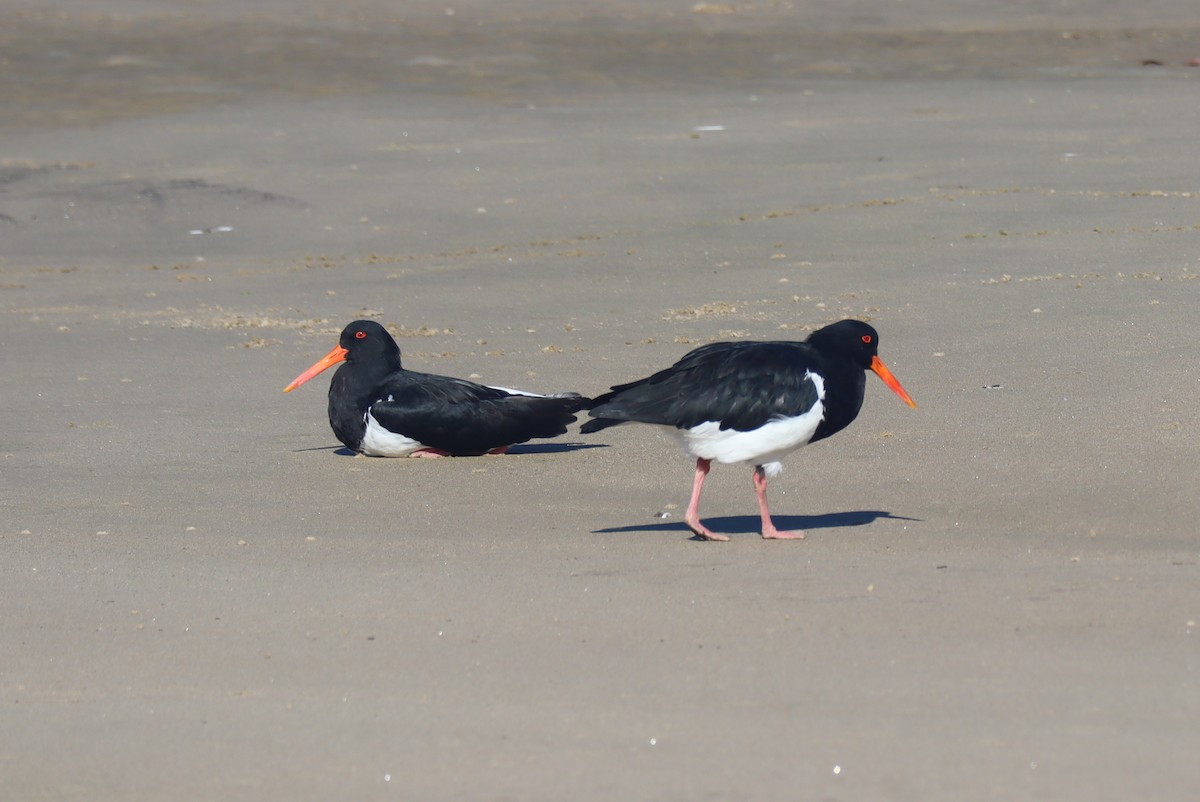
<point x="378" y="408"/>
<point x="753" y="402"/>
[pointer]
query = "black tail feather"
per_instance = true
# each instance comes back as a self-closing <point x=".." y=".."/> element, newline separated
<point x="596" y="424"/>
<point x="573" y="402"/>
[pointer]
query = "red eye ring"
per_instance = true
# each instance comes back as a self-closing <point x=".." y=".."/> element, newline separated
<point x="866" y="338"/>
<point x="360" y="335"/>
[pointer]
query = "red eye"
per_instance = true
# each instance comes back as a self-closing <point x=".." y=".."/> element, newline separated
<point x="866" y="338"/>
<point x="362" y="335"/>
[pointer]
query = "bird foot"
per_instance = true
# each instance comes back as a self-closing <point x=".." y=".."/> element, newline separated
<point x="429" y="453"/>
<point x="500" y="450"/>
<point x="703" y="532"/>
<point x="775" y="534"/>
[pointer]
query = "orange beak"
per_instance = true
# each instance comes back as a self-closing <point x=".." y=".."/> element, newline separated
<point x="338" y="354"/>
<point x="888" y="379"/>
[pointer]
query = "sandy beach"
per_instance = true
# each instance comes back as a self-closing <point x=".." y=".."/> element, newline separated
<point x="206" y="597"/>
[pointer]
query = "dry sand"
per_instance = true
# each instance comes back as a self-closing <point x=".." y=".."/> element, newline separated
<point x="204" y="598"/>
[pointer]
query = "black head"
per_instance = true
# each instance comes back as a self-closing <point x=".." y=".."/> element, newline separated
<point x="367" y="340"/>
<point x="857" y="343"/>
<point x="363" y="342"/>
<point x="851" y="340"/>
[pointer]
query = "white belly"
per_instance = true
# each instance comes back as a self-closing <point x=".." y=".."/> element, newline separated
<point x="379" y="442"/>
<point x="765" y="446"/>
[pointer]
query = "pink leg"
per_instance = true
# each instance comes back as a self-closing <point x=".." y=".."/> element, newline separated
<point x="500" y="450"/>
<point x="692" y="516"/>
<point x="769" y="532"/>
<point x="429" y="452"/>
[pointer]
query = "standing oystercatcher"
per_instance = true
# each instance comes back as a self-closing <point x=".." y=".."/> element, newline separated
<point x="753" y="402"/>
<point x="378" y="408"/>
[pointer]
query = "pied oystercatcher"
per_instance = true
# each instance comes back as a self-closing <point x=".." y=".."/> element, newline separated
<point x="378" y="408"/>
<point x="753" y="402"/>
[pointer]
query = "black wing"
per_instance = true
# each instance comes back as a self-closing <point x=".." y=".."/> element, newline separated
<point x="464" y="418"/>
<point x="741" y="385"/>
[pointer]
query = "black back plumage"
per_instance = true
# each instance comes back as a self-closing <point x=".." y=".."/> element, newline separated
<point x="743" y="385"/>
<point x="466" y="418"/>
<point x="441" y="412"/>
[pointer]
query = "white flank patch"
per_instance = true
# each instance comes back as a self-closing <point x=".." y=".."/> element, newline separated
<point x="765" y="446"/>
<point x="511" y="391"/>
<point x="379" y="442"/>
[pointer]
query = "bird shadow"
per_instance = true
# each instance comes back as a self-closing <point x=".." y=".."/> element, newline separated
<point x="750" y="524"/>
<point x="517" y="450"/>
<point x="552" y="448"/>
<point x="341" y="450"/>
